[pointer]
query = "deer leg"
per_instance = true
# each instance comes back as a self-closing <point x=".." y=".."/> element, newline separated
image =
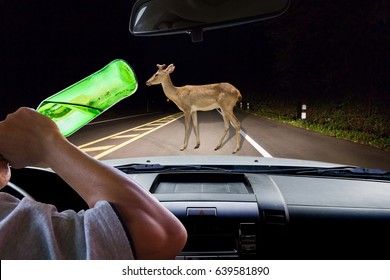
<point x="187" y="119"/>
<point x="237" y="126"/>
<point x="196" y="128"/>
<point x="227" y="126"/>
<point x="228" y="118"/>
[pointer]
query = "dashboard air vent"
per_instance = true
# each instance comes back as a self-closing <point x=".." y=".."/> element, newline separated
<point x="275" y="218"/>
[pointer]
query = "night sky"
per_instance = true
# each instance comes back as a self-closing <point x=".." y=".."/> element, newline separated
<point x="49" y="45"/>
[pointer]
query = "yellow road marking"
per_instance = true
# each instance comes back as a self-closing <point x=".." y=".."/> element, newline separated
<point x="125" y="131"/>
<point x="153" y="126"/>
<point x="142" y="129"/>
<point x="93" y="149"/>
<point x="125" y="136"/>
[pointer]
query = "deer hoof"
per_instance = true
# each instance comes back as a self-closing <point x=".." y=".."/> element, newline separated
<point x="197" y="146"/>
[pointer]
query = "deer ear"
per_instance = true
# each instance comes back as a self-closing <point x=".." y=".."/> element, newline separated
<point x="160" y="66"/>
<point x="170" y="68"/>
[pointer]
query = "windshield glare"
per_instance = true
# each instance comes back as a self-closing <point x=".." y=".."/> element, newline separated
<point x="311" y="84"/>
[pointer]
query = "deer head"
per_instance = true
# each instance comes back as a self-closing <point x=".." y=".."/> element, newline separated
<point x="161" y="75"/>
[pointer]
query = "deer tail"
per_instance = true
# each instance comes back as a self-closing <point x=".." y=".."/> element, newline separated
<point x="239" y="97"/>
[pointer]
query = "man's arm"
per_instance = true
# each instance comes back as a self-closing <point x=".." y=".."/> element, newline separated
<point x="32" y="139"/>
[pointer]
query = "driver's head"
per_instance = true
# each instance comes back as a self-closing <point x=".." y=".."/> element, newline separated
<point x="5" y="173"/>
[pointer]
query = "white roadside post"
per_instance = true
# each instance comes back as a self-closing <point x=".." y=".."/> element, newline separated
<point x="303" y="113"/>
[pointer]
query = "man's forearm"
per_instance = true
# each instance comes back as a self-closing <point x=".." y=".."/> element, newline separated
<point x="155" y="231"/>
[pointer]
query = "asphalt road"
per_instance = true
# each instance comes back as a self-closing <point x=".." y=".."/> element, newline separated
<point x="160" y="134"/>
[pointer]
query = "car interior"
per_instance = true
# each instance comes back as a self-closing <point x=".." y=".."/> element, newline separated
<point x="246" y="212"/>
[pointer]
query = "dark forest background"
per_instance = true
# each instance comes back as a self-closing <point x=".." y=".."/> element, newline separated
<point x="333" y="56"/>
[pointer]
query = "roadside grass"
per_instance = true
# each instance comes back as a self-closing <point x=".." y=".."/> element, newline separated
<point x="344" y="122"/>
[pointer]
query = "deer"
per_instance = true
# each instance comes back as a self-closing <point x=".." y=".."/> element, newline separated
<point x="192" y="98"/>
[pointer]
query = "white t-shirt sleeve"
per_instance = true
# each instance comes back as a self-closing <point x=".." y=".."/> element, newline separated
<point x="34" y="230"/>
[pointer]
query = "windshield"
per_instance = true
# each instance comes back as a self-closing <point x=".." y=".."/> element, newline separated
<point x="312" y="84"/>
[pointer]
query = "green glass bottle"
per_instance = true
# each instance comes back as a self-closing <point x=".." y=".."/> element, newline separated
<point x="75" y="106"/>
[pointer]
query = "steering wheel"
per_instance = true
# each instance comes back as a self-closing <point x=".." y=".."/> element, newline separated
<point x="45" y="186"/>
<point x="17" y="191"/>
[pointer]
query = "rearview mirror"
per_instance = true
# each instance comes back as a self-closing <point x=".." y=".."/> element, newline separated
<point x="164" y="17"/>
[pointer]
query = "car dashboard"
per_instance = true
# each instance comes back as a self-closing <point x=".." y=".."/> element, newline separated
<point x="238" y="215"/>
